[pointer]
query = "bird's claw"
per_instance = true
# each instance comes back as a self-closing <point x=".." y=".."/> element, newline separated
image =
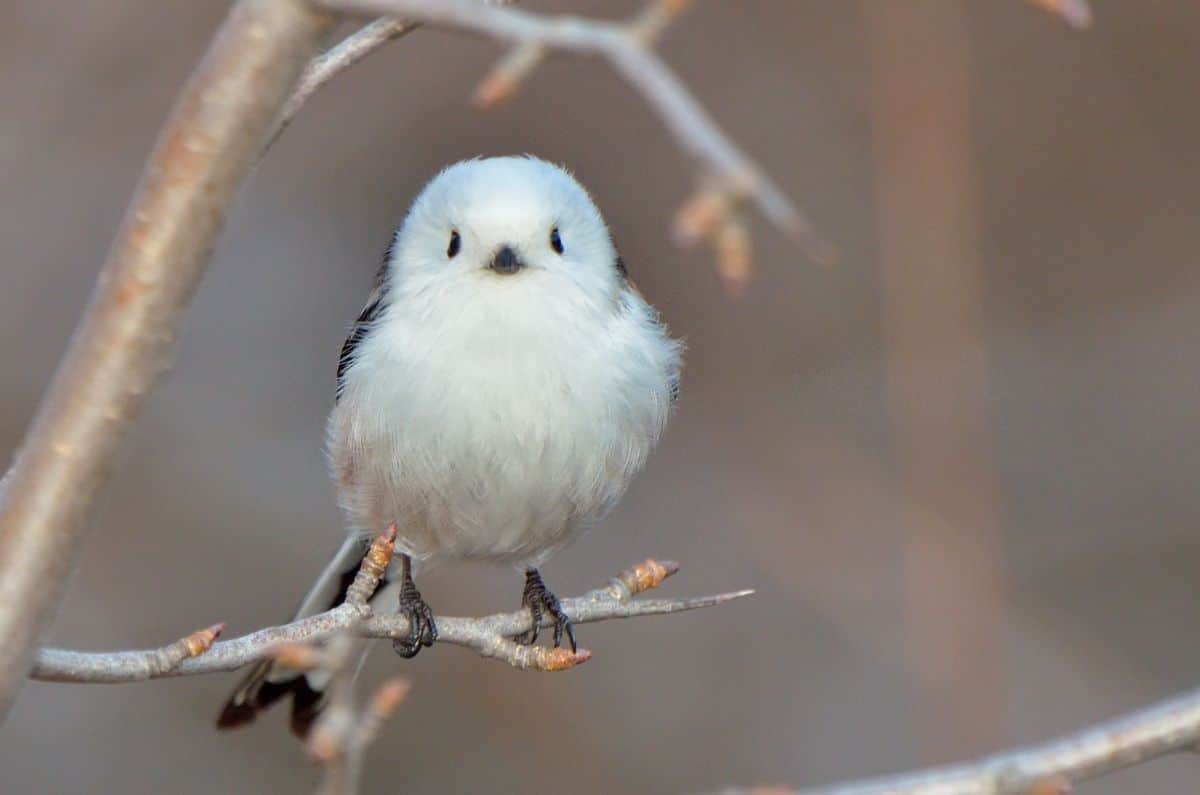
<point x="541" y="602"/>
<point x="422" y="629"/>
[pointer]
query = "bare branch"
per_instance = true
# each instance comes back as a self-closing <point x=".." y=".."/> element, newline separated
<point x="123" y="342"/>
<point x="342" y="56"/>
<point x="502" y="83"/>
<point x="374" y="566"/>
<point x="339" y="739"/>
<point x="720" y="159"/>
<point x="490" y="636"/>
<point x="1052" y="767"/>
<point x="155" y="663"/>
<point x="338" y="58"/>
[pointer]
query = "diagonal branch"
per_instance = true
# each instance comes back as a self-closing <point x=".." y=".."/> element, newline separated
<point x="338" y="58"/>
<point x="490" y="636"/>
<point x="514" y="68"/>
<point x="626" y="48"/>
<point x="339" y="739"/>
<point x="124" y="341"/>
<point x="1052" y="767"/>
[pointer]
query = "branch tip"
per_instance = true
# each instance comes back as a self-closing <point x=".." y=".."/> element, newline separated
<point x="699" y="216"/>
<point x="326" y="745"/>
<point x="1051" y="785"/>
<point x="1076" y="13"/>
<point x="390" y="695"/>
<point x="494" y="89"/>
<point x="559" y="659"/>
<point x="646" y="575"/>
<point x="648" y="26"/>
<point x="374" y="566"/>
<point x="733" y="248"/>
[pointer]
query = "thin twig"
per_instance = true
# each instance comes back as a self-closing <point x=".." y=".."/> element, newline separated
<point x="339" y="739"/>
<point x="123" y="342"/>
<point x="506" y="77"/>
<point x="155" y="663"/>
<point x="721" y="160"/>
<point x="372" y="569"/>
<point x="341" y="56"/>
<point x="490" y="636"/>
<point x="1052" y="767"/>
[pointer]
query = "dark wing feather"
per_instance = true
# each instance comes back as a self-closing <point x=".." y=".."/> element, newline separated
<point x="621" y="269"/>
<point x="267" y="684"/>
<point x="362" y="325"/>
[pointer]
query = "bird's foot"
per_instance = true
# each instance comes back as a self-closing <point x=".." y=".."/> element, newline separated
<point x="422" y="629"/>
<point x="541" y="602"/>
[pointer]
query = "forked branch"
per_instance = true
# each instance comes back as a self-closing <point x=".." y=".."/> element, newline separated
<point x="490" y="636"/>
<point x="724" y="168"/>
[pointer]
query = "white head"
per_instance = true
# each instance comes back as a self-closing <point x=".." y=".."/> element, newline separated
<point x="504" y="224"/>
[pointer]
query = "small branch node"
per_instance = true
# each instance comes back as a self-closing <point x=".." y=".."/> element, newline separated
<point x="374" y="567"/>
<point x="168" y="658"/>
<point x="645" y="576"/>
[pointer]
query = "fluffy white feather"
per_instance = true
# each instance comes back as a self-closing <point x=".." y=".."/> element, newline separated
<point x="490" y="415"/>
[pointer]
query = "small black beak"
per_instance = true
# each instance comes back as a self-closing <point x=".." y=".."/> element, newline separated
<point x="506" y="262"/>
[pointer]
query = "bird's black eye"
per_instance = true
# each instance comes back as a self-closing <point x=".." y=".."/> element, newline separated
<point x="556" y="241"/>
<point x="455" y="244"/>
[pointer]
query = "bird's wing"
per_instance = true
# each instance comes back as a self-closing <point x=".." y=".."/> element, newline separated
<point x="362" y="325"/>
<point x="268" y="682"/>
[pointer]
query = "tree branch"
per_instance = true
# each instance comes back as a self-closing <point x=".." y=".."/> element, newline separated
<point x="490" y="636"/>
<point x="626" y="48"/>
<point x="123" y="342"/>
<point x="1052" y="767"/>
<point x="339" y="739"/>
<point x="506" y="77"/>
<point x="338" y="58"/>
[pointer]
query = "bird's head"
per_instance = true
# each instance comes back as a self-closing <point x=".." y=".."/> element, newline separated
<point x="505" y="224"/>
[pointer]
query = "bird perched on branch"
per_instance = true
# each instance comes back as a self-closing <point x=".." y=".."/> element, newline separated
<point x="504" y="383"/>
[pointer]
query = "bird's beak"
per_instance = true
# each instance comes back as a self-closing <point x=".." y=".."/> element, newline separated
<point x="506" y="262"/>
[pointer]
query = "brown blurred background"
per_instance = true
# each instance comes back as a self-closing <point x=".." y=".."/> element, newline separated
<point x="959" y="466"/>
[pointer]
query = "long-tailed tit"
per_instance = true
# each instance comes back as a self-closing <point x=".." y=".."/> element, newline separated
<point x="504" y="383"/>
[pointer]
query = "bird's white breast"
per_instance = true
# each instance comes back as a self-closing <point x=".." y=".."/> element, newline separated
<point x="495" y="419"/>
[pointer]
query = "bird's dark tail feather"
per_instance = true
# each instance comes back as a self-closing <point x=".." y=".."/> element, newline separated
<point x="267" y="683"/>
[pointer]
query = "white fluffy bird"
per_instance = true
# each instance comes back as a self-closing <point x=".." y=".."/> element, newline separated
<point x="502" y="386"/>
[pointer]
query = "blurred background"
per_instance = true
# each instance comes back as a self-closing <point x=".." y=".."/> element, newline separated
<point x="959" y="466"/>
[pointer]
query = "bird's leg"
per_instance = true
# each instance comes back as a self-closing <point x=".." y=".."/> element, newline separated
<point x="540" y="601"/>
<point x="422" y="630"/>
